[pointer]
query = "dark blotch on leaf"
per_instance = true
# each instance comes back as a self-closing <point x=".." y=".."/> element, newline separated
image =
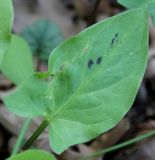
<point x="116" y="35"/>
<point x="90" y="63"/>
<point x="99" y="60"/>
<point x="62" y="68"/>
<point x="114" y="39"/>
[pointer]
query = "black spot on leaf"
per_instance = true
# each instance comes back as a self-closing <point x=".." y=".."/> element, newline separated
<point x="116" y="35"/>
<point x="99" y="60"/>
<point x="114" y="39"/>
<point x="90" y="63"/>
<point x="62" y="68"/>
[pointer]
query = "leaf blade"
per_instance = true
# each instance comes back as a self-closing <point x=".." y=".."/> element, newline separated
<point x="17" y="64"/>
<point x="132" y="3"/>
<point x="33" y="154"/>
<point x="79" y="112"/>
<point x="6" y="19"/>
<point x="150" y="5"/>
<point x="42" y="36"/>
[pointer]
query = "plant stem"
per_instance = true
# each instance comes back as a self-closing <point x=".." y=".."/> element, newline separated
<point x="21" y="137"/>
<point x="36" y="134"/>
<point x="119" y="146"/>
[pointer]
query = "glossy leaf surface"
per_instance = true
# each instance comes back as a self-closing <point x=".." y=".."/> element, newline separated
<point x="150" y="4"/>
<point x="6" y="21"/>
<point x="33" y="155"/>
<point x="17" y="63"/>
<point x="91" y="82"/>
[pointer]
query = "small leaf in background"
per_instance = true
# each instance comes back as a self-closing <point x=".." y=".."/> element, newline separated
<point x="6" y="21"/>
<point x="151" y="8"/>
<point x="43" y="36"/>
<point x="91" y="83"/>
<point x="17" y="63"/>
<point x="138" y="3"/>
<point x="132" y="3"/>
<point x="33" y="155"/>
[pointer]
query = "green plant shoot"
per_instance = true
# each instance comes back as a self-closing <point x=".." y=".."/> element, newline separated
<point x="91" y="83"/>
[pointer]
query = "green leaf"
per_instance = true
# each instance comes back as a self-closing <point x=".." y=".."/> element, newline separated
<point x="6" y="21"/>
<point x="151" y="8"/>
<point x="17" y="63"/>
<point x="133" y="3"/>
<point x="150" y="4"/>
<point x="43" y="36"/>
<point x="33" y="155"/>
<point x="91" y="82"/>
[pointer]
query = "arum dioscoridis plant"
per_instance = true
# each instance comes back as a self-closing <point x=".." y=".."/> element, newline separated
<point x="91" y="82"/>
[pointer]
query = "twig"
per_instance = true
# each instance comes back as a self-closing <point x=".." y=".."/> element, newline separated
<point x="92" y="18"/>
